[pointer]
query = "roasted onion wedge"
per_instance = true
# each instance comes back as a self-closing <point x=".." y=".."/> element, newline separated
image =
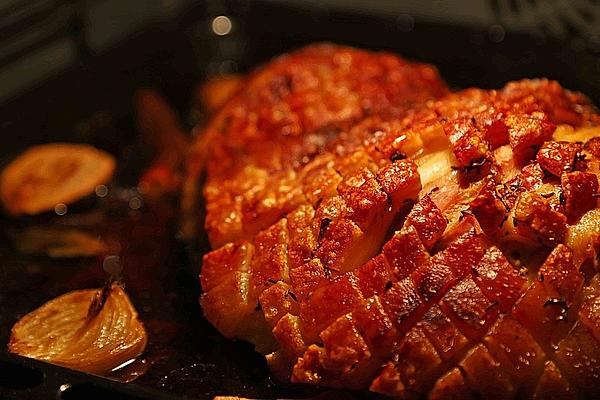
<point x="50" y="174"/>
<point x="61" y="332"/>
<point x="58" y="242"/>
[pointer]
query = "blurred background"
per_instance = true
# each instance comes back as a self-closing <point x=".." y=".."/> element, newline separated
<point x="69" y="68"/>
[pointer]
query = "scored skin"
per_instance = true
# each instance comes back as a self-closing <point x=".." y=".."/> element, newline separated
<point x="446" y="307"/>
<point x="287" y="113"/>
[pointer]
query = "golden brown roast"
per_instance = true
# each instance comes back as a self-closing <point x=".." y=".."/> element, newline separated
<point x="296" y="107"/>
<point x="369" y="239"/>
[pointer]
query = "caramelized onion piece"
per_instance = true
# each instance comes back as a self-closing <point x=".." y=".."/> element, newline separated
<point x="584" y="237"/>
<point x="53" y="174"/>
<point x="567" y="133"/>
<point x="61" y="333"/>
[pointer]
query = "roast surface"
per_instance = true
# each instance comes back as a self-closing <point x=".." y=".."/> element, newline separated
<point x="373" y="231"/>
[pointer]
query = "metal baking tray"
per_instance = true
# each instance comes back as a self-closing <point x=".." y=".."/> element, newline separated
<point x="86" y="97"/>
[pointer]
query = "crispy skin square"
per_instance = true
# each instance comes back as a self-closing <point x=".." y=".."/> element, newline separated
<point x="512" y="345"/>
<point x="224" y="261"/>
<point x="270" y="262"/>
<point x="428" y="220"/>
<point x="302" y="238"/>
<point x="560" y="275"/>
<point x="558" y="157"/>
<point x="469" y="309"/>
<point x="468" y="141"/>
<point x="580" y="191"/>
<point x="485" y="375"/>
<point x="306" y="278"/>
<point x="402" y="303"/>
<point x="374" y="276"/>
<point x="526" y="132"/>
<point x="451" y="386"/>
<point x="442" y="333"/>
<point x="345" y="347"/>
<point x="277" y="301"/>
<point x="579" y="353"/>
<point x="364" y="197"/>
<point x="538" y="221"/>
<point x="548" y="307"/>
<point x="414" y="362"/>
<point x="498" y="280"/>
<point x="463" y="254"/>
<point x="288" y="334"/>
<point x="489" y="209"/>
<point x="405" y="252"/>
<point x="589" y="315"/>
<point x="375" y="326"/>
<point x="552" y="385"/>
<point x="328" y="303"/>
<point x="433" y="280"/>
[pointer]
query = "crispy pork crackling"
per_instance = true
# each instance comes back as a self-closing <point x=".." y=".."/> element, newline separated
<point x="373" y="231"/>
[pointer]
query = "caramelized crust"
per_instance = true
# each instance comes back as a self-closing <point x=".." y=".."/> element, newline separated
<point x="289" y="112"/>
<point x="448" y="251"/>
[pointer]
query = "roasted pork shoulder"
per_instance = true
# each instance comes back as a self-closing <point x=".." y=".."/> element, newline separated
<point x="373" y="231"/>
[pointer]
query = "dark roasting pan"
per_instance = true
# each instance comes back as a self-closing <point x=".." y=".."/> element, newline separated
<point x="82" y="92"/>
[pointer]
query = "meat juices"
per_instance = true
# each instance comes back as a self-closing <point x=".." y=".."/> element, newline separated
<point x="373" y="231"/>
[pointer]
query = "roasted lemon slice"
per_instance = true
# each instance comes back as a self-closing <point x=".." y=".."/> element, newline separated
<point x="52" y="174"/>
